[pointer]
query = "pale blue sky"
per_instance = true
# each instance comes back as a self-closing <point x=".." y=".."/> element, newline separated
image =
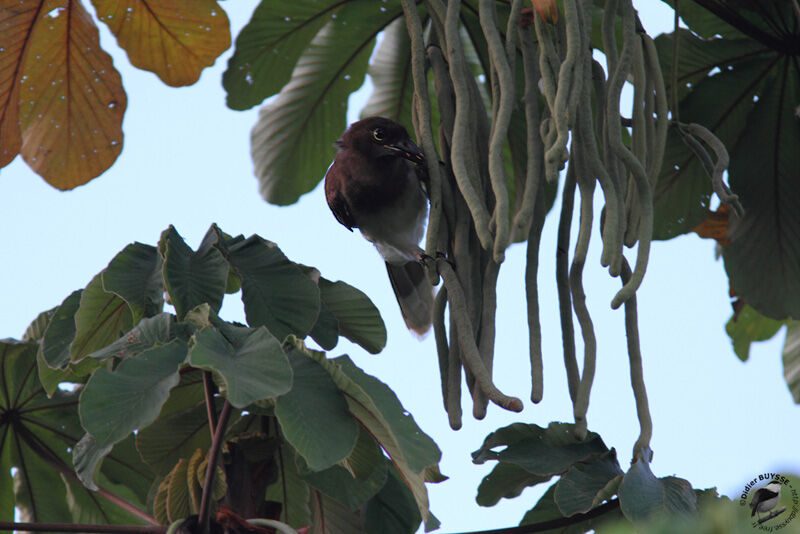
<point x="186" y="161"/>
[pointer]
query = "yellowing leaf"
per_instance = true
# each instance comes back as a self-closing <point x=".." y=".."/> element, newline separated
<point x="71" y="99"/>
<point x="175" y="39"/>
<point x="716" y="225"/>
<point x="15" y="21"/>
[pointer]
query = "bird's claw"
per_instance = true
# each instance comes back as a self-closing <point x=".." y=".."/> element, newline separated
<point x="424" y="258"/>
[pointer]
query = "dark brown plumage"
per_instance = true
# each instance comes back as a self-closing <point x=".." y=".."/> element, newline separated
<point x="374" y="184"/>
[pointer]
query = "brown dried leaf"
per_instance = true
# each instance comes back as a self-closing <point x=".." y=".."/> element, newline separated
<point x="716" y="226"/>
<point x="175" y="39"/>
<point x="547" y="10"/>
<point x="71" y="99"/>
<point x="15" y="21"/>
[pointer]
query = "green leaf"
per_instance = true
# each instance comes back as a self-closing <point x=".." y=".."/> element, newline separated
<point x="339" y="484"/>
<point x="291" y="144"/>
<point x="545" y="509"/>
<point x="290" y="490"/>
<point x="763" y="257"/>
<point x="135" y="276"/>
<point x="60" y="332"/>
<point x="417" y="448"/>
<point x="86" y="508"/>
<point x="392" y="510"/>
<point x="643" y="497"/>
<point x="390" y="70"/>
<point x="101" y="319"/>
<point x="113" y="404"/>
<point x="358" y="318"/>
<point x="330" y="517"/>
<point x="365" y="457"/>
<point x="253" y="369"/>
<point x="37" y="328"/>
<point x="275" y="292"/>
<point x="577" y="490"/>
<point x="173" y="437"/>
<point x="506" y="481"/>
<point x="722" y="103"/>
<point x="540" y="451"/>
<point x="791" y="359"/>
<point x="748" y="326"/>
<point x="149" y="332"/>
<point x="87" y="457"/>
<point x="44" y="427"/>
<point x="269" y="46"/>
<point x="39" y="489"/>
<point x="326" y="329"/>
<point x="192" y="278"/>
<point x="377" y="409"/>
<point x="7" y="499"/>
<point x="314" y="417"/>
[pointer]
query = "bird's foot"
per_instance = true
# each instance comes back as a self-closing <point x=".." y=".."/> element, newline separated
<point x="425" y="259"/>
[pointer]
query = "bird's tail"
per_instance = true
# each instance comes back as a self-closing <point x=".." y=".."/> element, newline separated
<point x="414" y="294"/>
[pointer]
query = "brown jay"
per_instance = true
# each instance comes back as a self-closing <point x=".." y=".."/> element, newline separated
<point x="375" y="185"/>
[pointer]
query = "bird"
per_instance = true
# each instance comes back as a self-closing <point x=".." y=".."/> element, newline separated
<point x="766" y="498"/>
<point x="375" y="184"/>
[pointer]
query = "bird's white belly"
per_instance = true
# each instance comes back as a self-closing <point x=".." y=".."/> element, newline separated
<point x="397" y="230"/>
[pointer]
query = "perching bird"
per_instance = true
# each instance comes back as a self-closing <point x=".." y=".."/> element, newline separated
<point x="374" y="184"/>
<point x="766" y="498"/>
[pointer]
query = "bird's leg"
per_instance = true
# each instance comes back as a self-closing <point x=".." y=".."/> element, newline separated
<point x="424" y="258"/>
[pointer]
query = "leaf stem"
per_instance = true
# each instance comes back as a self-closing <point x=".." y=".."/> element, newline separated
<point x="211" y="469"/>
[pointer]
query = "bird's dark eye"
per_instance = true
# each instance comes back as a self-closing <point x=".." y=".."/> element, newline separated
<point x="378" y="134"/>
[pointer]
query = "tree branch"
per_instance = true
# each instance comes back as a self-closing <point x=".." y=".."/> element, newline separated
<point x="69" y="527"/>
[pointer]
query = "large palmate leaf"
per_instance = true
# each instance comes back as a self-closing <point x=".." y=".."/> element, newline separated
<point x="134" y="275"/>
<point x="275" y="292"/>
<point x="113" y="404"/>
<point x="748" y="99"/>
<point x="763" y="256"/>
<point x="176" y="39"/>
<point x="192" y="278"/>
<point x="683" y="191"/>
<point x="269" y="46"/>
<point x="314" y="416"/>
<point x="390" y="70"/>
<point x="540" y="451"/>
<point x="61" y="99"/>
<point x="36" y="436"/>
<point x="291" y="144"/>
<point x="71" y="99"/>
<point x="357" y="317"/>
<point x="102" y="317"/>
<point x="377" y="409"/>
<point x="253" y="369"/>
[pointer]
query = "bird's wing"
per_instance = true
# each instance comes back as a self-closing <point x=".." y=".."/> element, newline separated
<point x="334" y="178"/>
<point x="341" y="210"/>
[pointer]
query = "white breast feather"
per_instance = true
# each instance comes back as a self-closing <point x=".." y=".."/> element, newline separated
<point x="398" y="229"/>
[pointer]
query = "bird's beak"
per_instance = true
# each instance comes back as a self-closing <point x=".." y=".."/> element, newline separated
<point x="408" y="150"/>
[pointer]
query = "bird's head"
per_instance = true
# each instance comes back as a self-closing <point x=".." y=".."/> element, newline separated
<point x="378" y="137"/>
<point x="774" y="486"/>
